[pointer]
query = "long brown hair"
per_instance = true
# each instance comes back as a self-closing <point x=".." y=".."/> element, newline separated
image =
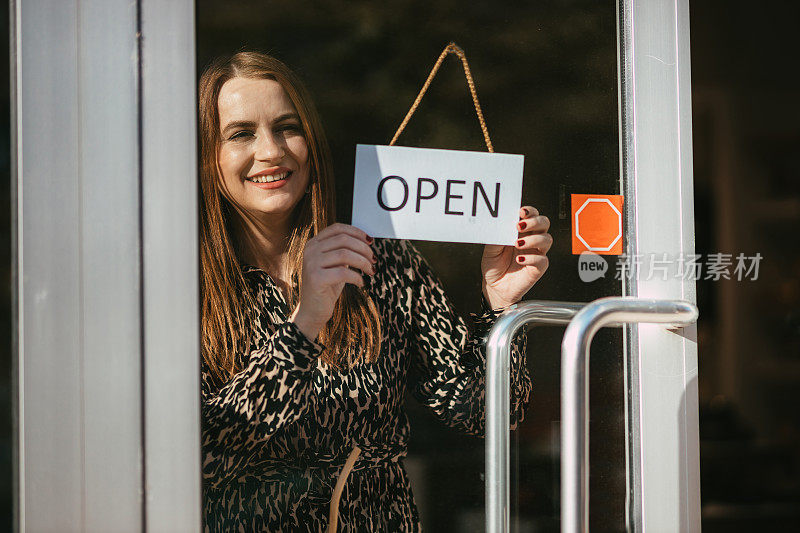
<point x="354" y="331"/>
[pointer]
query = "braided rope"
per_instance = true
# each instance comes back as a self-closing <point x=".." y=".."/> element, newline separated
<point x="451" y="48"/>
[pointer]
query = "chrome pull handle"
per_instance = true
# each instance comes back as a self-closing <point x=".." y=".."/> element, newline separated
<point x="583" y="321"/>
<point x="498" y="355"/>
<point x="575" y="388"/>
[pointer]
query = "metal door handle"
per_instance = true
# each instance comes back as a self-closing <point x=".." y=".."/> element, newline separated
<point x="583" y="322"/>
<point x="575" y="386"/>
<point x="498" y="355"/>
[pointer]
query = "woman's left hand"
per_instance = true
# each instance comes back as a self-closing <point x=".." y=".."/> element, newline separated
<point x="510" y="271"/>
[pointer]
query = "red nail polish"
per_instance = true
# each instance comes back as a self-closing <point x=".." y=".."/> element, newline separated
<point x="523" y="225"/>
<point x="520" y="242"/>
<point x="520" y="259"/>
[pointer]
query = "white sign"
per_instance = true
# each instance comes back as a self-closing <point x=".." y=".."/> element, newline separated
<point x="437" y="195"/>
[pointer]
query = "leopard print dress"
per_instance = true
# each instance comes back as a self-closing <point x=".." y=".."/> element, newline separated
<point x="276" y="435"/>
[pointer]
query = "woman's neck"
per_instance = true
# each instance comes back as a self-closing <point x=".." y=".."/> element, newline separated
<point x="264" y="244"/>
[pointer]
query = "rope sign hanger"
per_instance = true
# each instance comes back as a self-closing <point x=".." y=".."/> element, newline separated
<point x="451" y="48"/>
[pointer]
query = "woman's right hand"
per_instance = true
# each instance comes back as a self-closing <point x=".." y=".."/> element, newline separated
<point x="327" y="259"/>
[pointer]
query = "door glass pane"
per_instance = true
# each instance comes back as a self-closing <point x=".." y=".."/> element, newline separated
<point x="546" y="76"/>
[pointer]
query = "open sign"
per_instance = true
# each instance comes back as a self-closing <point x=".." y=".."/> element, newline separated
<point x="437" y="195"/>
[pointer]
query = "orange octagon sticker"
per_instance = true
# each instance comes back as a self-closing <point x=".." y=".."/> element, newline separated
<point x="597" y="224"/>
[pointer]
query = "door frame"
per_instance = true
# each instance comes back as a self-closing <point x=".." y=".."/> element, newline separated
<point x="662" y="433"/>
<point x="105" y="265"/>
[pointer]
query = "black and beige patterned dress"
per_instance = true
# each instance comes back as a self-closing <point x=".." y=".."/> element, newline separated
<point x="276" y="436"/>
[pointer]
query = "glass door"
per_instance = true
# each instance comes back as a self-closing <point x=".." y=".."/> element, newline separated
<point x="547" y="77"/>
<point x="594" y="94"/>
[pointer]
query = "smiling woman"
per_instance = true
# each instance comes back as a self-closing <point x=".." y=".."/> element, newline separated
<point x="256" y="120"/>
<point x="311" y="329"/>
<point x="259" y="128"/>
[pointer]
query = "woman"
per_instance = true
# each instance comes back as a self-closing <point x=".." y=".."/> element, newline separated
<point x="311" y="329"/>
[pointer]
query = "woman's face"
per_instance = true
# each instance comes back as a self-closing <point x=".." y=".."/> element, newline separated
<point x="263" y="155"/>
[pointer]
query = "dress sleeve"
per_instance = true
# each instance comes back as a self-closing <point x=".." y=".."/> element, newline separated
<point x="271" y="392"/>
<point x="451" y="361"/>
